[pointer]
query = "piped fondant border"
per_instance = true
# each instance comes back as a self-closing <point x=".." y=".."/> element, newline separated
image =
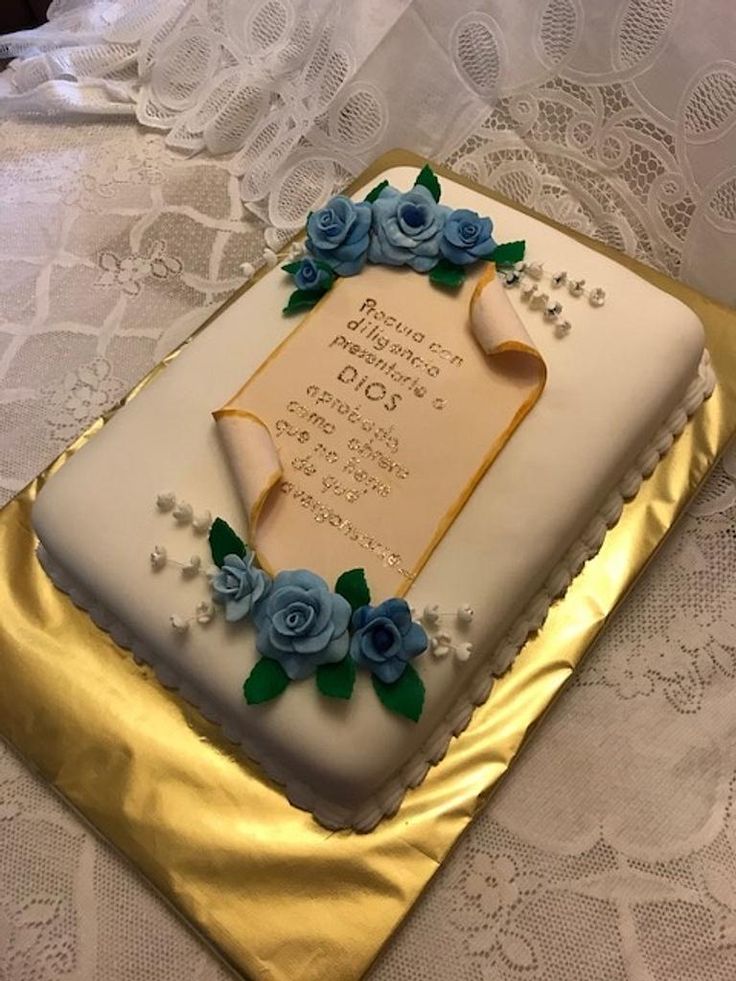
<point x="387" y="801"/>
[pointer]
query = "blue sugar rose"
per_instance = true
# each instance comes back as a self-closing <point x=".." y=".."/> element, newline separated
<point x="338" y="234"/>
<point x="309" y="276"/>
<point x="385" y="638"/>
<point x="239" y="586"/>
<point x="407" y="228"/>
<point x="466" y="237"/>
<point x="302" y="623"/>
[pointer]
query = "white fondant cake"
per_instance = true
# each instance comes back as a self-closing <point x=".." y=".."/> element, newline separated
<point x="620" y="386"/>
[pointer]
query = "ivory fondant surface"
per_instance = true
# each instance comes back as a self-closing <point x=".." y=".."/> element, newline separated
<point x="618" y="386"/>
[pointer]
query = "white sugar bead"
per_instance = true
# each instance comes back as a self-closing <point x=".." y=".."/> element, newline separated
<point x="180" y="624"/>
<point x="272" y="237"/>
<point x="165" y="501"/>
<point x="183" y="513"/>
<point x="201" y="522"/>
<point x="270" y="258"/>
<point x="438" y="649"/>
<point x="192" y="567"/>
<point x="431" y="614"/>
<point x="158" y="557"/>
<point x="534" y="269"/>
<point x="465" y="613"/>
<point x="204" y="612"/>
<point x="248" y="270"/>
<point x="463" y="652"/>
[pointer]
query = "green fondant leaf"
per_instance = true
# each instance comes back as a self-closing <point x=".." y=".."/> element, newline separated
<point x="291" y="267"/>
<point x="303" y="300"/>
<point x="224" y="541"/>
<point x="337" y="680"/>
<point x="508" y="253"/>
<point x="372" y="195"/>
<point x="352" y="586"/>
<point x="447" y="274"/>
<point x="427" y="179"/>
<point x="267" y="680"/>
<point x="405" y="696"/>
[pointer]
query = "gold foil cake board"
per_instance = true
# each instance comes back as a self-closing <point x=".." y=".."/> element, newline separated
<point x="279" y="896"/>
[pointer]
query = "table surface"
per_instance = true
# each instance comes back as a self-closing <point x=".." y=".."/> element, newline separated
<point x="611" y="850"/>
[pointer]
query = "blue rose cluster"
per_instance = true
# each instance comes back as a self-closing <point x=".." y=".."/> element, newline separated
<point x="396" y="229"/>
<point x="302" y="624"/>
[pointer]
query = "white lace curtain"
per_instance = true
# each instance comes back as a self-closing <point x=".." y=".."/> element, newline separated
<point x="615" y="117"/>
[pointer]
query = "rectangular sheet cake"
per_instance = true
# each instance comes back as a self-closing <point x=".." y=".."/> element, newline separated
<point x="624" y="368"/>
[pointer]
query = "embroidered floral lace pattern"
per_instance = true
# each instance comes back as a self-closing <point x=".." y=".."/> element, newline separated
<point x="611" y="851"/>
<point x="113" y="251"/>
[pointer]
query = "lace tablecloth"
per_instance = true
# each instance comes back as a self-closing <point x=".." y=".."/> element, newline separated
<point x="611" y="850"/>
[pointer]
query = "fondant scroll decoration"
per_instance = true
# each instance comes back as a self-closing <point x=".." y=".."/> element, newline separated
<point x="254" y="459"/>
<point x="495" y="324"/>
<point x="343" y="457"/>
